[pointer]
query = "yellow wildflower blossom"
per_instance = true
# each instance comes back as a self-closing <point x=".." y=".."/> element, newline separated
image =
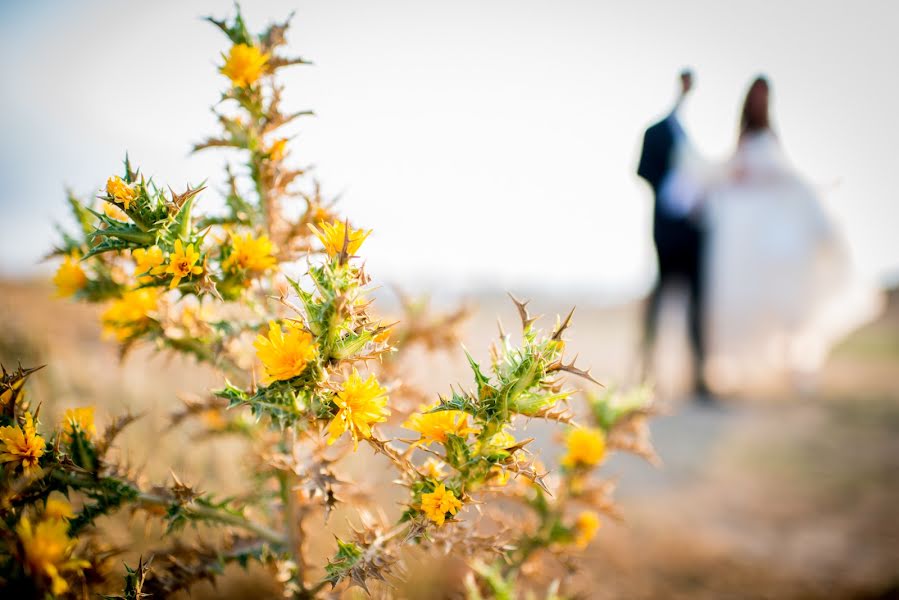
<point x="48" y="549"/>
<point x="244" y="65"/>
<point x="129" y="314"/>
<point x="284" y="355"/>
<point x="585" y="528"/>
<point x="498" y="443"/>
<point x="14" y="389"/>
<point x="433" y="469"/>
<point x="213" y="419"/>
<point x="57" y="507"/>
<point x="360" y="404"/>
<point x="182" y="263"/>
<point x="250" y="254"/>
<point x="146" y="259"/>
<point x="436" y="426"/>
<point x="120" y="192"/>
<point x="114" y="212"/>
<point x="439" y="502"/>
<point x="586" y="447"/>
<point x="318" y="213"/>
<point x="383" y="336"/>
<point x="81" y="419"/>
<point x="498" y="476"/>
<point x="70" y="277"/>
<point x="278" y="149"/>
<point x="21" y="446"/>
<point x="332" y="237"/>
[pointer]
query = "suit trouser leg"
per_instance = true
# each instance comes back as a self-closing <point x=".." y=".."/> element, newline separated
<point x="651" y="321"/>
<point x="696" y="315"/>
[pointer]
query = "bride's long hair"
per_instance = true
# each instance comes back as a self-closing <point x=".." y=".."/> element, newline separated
<point x="755" y="108"/>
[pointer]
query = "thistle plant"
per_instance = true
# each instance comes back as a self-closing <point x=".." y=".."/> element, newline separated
<point x="272" y="294"/>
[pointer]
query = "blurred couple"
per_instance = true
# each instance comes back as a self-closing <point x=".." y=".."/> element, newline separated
<point x="769" y="285"/>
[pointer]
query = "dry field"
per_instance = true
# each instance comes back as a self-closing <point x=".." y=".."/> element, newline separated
<point x="776" y="496"/>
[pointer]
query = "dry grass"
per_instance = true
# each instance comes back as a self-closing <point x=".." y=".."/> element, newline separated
<point x="762" y="498"/>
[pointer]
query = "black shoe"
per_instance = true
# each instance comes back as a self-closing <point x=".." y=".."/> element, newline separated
<point x="702" y="394"/>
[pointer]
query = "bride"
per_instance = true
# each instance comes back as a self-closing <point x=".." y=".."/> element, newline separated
<point x="781" y="290"/>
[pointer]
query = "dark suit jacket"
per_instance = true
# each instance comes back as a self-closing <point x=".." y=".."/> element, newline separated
<point x="655" y="162"/>
<point x="676" y="238"/>
<point x="658" y="148"/>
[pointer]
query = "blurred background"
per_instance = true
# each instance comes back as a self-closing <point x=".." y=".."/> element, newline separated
<point x="492" y="146"/>
<point x="460" y="130"/>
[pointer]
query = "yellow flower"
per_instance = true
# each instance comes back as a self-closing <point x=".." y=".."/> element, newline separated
<point x="279" y="147"/>
<point x="57" y="507"/>
<point x="48" y="549"/>
<point x="250" y="254"/>
<point x="498" y="476"/>
<point x="70" y="277"/>
<point x="244" y="65"/>
<point x="213" y="419"/>
<point x="433" y="469"/>
<point x="21" y="445"/>
<point x="441" y="501"/>
<point x="586" y="448"/>
<point x="436" y="426"/>
<point x="497" y="444"/>
<point x="332" y="237"/>
<point x="182" y="263"/>
<point x="146" y="259"/>
<point x="285" y="355"/>
<point x="114" y="212"/>
<point x="585" y="528"/>
<point x="382" y="337"/>
<point x="129" y="314"/>
<point x="360" y="404"/>
<point x="318" y="213"/>
<point x="120" y="192"/>
<point x="81" y="419"/>
<point x="13" y="388"/>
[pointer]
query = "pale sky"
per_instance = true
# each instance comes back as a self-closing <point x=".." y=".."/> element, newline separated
<point x="485" y="142"/>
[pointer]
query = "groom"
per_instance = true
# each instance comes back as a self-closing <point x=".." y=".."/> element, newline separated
<point x="676" y="232"/>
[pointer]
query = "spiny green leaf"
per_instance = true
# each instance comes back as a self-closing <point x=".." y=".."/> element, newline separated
<point x="128" y="233"/>
<point x="82" y="214"/>
<point x="182" y="222"/>
<point x="107" y="245"/>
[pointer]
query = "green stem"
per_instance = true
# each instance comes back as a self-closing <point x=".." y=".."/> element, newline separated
<point x="205" y="512"/>
<point x="146" y="499"/>
<point x="293" y="517"/>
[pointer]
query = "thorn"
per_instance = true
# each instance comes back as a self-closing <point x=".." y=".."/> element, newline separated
<point x="570" y="368"/>
<point x="344" y="256"/>
<point x="557" y="334"/>
<point x="526" y="319"/>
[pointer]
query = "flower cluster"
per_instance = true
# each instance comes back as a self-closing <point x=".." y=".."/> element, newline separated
<point x="270" y="291"/>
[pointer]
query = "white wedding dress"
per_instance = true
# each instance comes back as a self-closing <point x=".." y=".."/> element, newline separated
<point x="780" y="287"/>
